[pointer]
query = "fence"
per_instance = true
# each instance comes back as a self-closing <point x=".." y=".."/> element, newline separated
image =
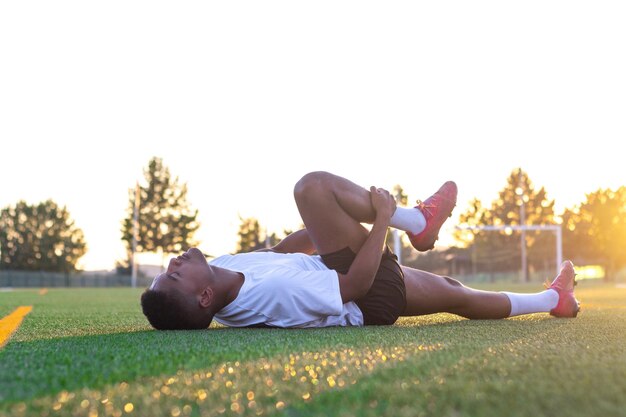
<point x="20" y="279"/>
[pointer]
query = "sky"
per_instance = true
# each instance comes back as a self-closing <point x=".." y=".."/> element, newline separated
<point x="241" y="99"/>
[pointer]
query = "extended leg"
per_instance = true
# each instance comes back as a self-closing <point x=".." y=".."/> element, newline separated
<point x="428" y="293"/>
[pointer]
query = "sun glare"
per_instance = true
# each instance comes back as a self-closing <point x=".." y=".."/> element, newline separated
<point x="590" y="272"/>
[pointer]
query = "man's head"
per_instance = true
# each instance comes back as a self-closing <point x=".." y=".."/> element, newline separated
<point x="182" y="297"/>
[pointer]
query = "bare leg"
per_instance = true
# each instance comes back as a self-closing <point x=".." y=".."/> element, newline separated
<point x="333" y="209"/>
<point x="428" y="293"/>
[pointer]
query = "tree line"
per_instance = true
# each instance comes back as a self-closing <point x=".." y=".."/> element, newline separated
<point x="44" y="237"/>
<point x="593" y="232"/>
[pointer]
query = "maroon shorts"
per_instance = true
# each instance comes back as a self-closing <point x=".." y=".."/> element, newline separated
<point x="386" y="299"/>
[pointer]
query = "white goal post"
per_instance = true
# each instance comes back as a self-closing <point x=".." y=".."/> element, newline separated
<point x="557" y="229"/>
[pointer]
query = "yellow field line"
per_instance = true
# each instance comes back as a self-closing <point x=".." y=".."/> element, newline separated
<point x="10" y="323"/>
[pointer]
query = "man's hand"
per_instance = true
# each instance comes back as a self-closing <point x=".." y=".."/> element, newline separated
<point x="384" y="204"/>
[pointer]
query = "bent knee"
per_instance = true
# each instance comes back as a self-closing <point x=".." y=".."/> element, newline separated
<point x="311" y="183"/>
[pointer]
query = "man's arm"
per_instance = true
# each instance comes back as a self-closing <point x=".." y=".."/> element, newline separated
<point x="357" y="282"/>
<point x="297" y="242"/>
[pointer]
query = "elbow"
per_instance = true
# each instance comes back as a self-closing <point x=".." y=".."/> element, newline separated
<point x="361" y="290"/>
<point x="352" y="288"/>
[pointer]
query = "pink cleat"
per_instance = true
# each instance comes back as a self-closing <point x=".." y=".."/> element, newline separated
<point x="563" y="284"/>
<point x="436" y="209"/>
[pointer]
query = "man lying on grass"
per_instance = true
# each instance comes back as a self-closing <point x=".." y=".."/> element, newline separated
<point x="356" y="281"/>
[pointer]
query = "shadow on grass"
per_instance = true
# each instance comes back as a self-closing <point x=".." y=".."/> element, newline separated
<point x="45" y="367"/>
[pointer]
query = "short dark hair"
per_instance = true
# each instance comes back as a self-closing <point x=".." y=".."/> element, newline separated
<point x="171" y="310"/>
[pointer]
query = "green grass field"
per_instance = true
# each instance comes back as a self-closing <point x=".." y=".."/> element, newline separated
<point x="90" y="352"/>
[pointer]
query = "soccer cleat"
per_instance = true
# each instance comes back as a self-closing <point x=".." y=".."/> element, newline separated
<point x="436" y="209"/>
<point x="563" y="284"/>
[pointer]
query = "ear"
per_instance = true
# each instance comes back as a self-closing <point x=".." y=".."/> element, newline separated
<point x="206" y="297"/>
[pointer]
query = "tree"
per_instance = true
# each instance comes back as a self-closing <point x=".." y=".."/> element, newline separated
<point x="249" y="235"/>
<point x="252" y="237"/>
<point x="495" y="249"/>
<point x="167" y="223"/>
<point x="401" y="197"/>
<point x="40" y="237"/>
<point x="595" y="231"/>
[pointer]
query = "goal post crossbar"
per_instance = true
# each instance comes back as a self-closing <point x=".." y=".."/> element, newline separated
<point x="557" y="229"/>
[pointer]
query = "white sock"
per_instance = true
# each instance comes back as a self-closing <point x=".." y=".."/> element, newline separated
<point x="408" y="219"/>
<point x="541" y="302"/>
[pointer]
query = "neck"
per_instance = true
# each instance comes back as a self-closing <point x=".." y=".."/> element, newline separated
<point x="227" y="286"/>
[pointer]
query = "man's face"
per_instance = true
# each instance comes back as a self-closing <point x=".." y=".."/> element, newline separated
<point x="188" y="272"/>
